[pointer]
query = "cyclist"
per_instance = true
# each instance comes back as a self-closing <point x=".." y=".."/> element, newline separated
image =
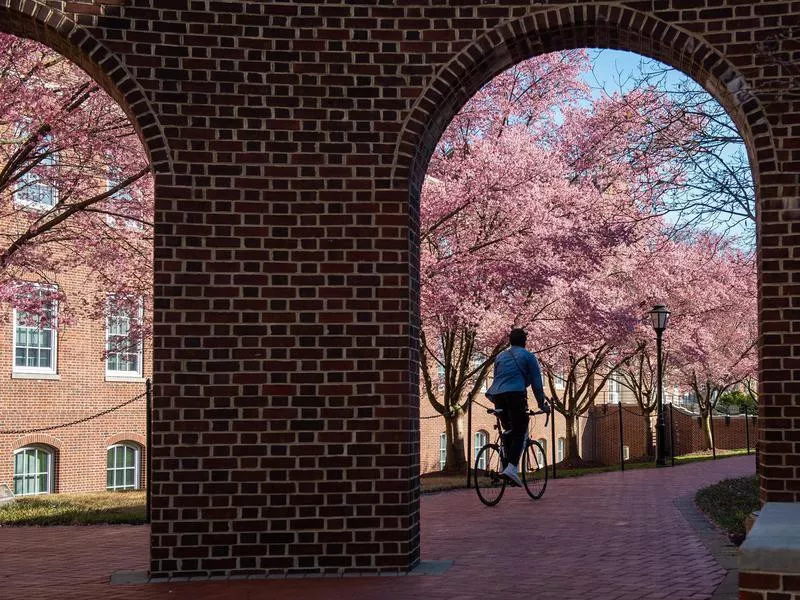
<point x="514" y="370"/>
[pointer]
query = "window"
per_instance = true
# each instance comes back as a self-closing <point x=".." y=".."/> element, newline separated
<point x="34" y="191"/>
<point x="539" y="456"/>
<point x="35" y="337"/>
<point x="442" y="450"/>
<point x="33" y="471"/>
<point x="120" y="199"/>
<point x="560" y="379"/>
<point x="123" y="349"/>
<point x="440" y="373"/>
<point x="613" y="389"/>
<point x="122" y="467"/>
<point x="626" y="453"/>
<point x="560" y="449"/>
<point x="481" y="439"/>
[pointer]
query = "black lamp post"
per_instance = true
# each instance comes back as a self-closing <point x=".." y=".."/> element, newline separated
<point x="659" y="317"/>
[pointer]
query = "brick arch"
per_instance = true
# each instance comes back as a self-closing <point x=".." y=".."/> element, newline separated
<point x="542" y="31"/>
<point x="32" y="439"/>
<point x="32" y="19"/>
<point x="127" y="436"/>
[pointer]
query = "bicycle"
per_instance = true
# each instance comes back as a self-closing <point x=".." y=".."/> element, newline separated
<point x="490" y="462"/>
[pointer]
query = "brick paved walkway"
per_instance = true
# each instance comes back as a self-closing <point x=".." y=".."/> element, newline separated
<point x="614" y="536"/>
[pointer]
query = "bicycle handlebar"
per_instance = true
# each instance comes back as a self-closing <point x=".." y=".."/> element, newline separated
<point x="533" y="413"/>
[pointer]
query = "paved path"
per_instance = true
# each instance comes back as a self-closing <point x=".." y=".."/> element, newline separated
<point x="613" y="536"/>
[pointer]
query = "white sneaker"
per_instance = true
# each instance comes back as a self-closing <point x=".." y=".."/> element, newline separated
<point x="511" y="474"/>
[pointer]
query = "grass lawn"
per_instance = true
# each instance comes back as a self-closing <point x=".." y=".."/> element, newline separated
<point x="75" y="509"/>
<point x="729" y="502"/>
<point x="437" y="482"/>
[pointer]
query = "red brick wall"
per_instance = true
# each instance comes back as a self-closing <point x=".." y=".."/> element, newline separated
<point x="768" y="586"/>
<point x="729" y="433"/>
<point x="81" y="390"/>
<point x="604" y="433"/>
<point x="290" y="141"/>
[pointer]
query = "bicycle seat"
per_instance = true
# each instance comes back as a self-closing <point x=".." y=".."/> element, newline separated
<point x="494" y="411"/>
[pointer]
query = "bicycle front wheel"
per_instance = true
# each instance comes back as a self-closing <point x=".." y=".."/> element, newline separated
<point x="488" y="483"/>
<point x="534" y="469"/>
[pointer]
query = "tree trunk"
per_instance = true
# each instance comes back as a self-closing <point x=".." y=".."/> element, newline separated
<point x="455" y="461"/>
<point x="648" y="432"/>
<point x="705" y="416"/>
<point x="572" y="456"/>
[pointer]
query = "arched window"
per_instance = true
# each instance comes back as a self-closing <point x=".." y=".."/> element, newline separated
<point x="560" y="449"/>
<point x="481" y="439"/>
<point x="33" y="471"/>
<point x="541" y="458"/>
<point x="122" y="466"/>
<point x="442" y="450"/>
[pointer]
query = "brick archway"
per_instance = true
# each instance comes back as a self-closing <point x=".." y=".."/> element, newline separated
<point x="34" y="20"/>
<point x="578" y="26"/>
<point x="294" y="131"/>
<point x="596" y="26"/>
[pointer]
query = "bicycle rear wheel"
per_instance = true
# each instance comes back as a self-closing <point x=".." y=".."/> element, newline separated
<point x="488" y="483"/>
<point x="534" y="469"/>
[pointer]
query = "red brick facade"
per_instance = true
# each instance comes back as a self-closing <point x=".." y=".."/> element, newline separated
<point x="768" y="586"/>
<point x="290" y="141"/>
<point x="79" y="389"/>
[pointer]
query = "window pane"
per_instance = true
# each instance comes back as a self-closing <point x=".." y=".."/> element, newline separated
<point x="129" y="477"/>
<point x="110" y="458"/>
<point x="17" y="485"/>
<point x="42" y="484"/>
<point x="129" y="456"/>
<point x="42" y="459"/>
<point x="109" y="477"/>
<point x="30" y="466"/>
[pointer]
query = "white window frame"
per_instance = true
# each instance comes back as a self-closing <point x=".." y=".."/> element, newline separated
<point x="125" y="196"/>
<point x="561" y="444"/>
<point x="137" y="459"/>
<point x="560" y="379"/>
<point x="480" y="439"/>
<point x="49" y="473"/>
<point x="613" y="387"/>
<point x="543" y="443"/>
<point x="442" y="451"/>
<point x="29" y="179"/>
<point x="53" y="368"/>
<point x="626" y="453"/>
<point x="115" y="374"/>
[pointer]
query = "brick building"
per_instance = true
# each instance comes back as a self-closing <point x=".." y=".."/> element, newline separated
<point x="57" y="375"/>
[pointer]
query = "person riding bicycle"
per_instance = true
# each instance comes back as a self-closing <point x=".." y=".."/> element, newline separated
<point x="514" y="370"/>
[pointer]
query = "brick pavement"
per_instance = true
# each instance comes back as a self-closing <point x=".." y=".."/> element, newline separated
<point x="614" y="536"/>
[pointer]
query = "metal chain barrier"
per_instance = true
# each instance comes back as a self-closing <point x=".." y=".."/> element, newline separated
<point x="436" y="416"/>
<point x="77" y="422"/>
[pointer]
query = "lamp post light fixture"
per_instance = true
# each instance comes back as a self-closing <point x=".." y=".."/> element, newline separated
<point x="659" y="317"/>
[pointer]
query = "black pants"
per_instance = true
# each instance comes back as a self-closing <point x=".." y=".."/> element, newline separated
<point x="514" y="420"/>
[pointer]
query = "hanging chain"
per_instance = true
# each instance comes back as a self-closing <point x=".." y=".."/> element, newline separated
<point x="77" y="422"/>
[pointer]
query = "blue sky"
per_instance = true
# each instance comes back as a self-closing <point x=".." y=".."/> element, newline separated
<point x="609" y="66"/>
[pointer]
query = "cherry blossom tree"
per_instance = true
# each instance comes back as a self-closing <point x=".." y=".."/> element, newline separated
<point x="75" y="190"/>
<point x="715" y="344"/>
<point x="531" y="191"/>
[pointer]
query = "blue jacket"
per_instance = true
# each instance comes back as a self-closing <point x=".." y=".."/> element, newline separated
<point x="514" y="370"/>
